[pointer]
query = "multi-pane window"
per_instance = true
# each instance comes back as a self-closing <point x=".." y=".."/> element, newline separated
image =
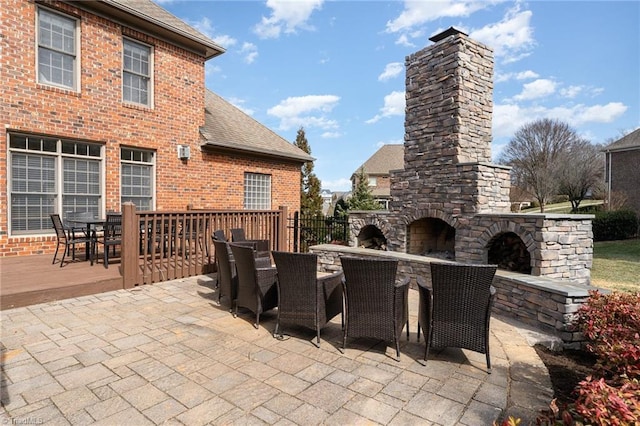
<point x="137" y="177"/>
<point x="257" y="191"/>
<point x="50" y="175"/>
<point x="136" y="75"/>
<point x="56" y="49"/>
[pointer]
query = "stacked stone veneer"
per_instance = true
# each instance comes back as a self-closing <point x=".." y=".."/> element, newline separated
<point x="447" y="172"/>
<point x="547" y="304"/>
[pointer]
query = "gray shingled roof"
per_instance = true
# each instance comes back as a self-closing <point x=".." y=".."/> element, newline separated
<point x="146" y="14"/>
<point x="227" y="128"/>
<point x="388" y="157"/>
<point x="632" y="140"/>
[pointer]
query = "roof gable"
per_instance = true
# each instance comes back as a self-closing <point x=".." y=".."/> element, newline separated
<point x="227" y="128"/>
<point x="388" y="157"/>
<point x="630" y="141"/>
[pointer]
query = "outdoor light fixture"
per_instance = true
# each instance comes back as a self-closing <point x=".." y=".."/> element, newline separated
<point x="184" y="152"/>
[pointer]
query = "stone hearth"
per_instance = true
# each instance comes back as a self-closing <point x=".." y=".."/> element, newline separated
<point x="450" y="201"/>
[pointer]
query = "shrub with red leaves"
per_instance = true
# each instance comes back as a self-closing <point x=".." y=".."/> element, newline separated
<point x="611" y="323"/>
<point x="601" y="404"/>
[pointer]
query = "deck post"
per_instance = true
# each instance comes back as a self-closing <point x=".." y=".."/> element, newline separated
<point x="283" y="241"/>
<point x="130" y="245"/>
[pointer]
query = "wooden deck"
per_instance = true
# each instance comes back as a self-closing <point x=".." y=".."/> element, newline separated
<point x="27" y="280"/>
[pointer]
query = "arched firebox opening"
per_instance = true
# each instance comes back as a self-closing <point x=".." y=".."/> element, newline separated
<point x="431" y="237"/>
<point x="508" y="251"/>
<point x="371" y="237"/>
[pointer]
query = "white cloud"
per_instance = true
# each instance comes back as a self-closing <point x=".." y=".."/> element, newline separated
<point x="536" y="89"/>
<point x="522" y="75"/>
<point x="392" y="69"/>
<point x="308" y="111"/>
<point x="391" y="142"/>
<point x="571" y="91"/>
<point x="394" y="104"/>
<point x="206" y="27"/>
<point x="239" y="103"/>
<point x="250" y="52"/>
<point x="331" y="135"/>
<point x="403" y="40"/>
<point x="508" y="118"/>
<point x="416" y="13"/>
<point x="338" y="185"/>
<point x="511" y="38"/>
<point x="287" y="16"/>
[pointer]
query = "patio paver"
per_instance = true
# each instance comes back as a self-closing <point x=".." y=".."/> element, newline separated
<point x="168" y="353"/>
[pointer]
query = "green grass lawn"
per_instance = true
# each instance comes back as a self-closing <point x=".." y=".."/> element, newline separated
<point x="616" y="265"/>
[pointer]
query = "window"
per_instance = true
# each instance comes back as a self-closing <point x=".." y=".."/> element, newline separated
<point x="136" y="75"/>
<point x="373" y="181"/>
<point x="56" y="49"/>
<point x="136" y="175"/>
<point x="50" y="175"/>
<point x="257" y="191"/>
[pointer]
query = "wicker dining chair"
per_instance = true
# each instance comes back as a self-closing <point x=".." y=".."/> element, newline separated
<point x="261" y="246"/>
<point x="376" y="305"/>
<point x="304" y="297"/>
<point x="456" y="311"/>
<point x="227" y="278"/>
<point x="257" y="289"/>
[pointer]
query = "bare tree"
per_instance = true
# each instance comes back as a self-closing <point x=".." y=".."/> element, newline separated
<point x="536" y="155"/>
<point x="582" y="171"/>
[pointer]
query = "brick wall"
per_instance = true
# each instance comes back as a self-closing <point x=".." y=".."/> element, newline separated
<point x="625" y="177"/>
<point x="96" y="113"/>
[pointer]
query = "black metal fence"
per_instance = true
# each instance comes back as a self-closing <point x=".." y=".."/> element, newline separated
<point x="306" y="231"/>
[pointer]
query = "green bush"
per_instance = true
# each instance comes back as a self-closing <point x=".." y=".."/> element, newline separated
<point x="615" y="225"/>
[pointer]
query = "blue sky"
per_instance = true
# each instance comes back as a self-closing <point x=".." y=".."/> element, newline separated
<point x="336" y="68"/>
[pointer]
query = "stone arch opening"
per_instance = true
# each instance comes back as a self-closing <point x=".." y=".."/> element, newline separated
<point x="431" y="236"/>
<point x="509" y="252"/>
<point x="371" y="237"/>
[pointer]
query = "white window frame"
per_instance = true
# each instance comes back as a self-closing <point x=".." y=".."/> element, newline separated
<point x="137" y="158"/>
<point x="257" y="191"/>
<point x="56" y="151"/>
<point x="136" y="73"/>
<point x="75" y="55"/>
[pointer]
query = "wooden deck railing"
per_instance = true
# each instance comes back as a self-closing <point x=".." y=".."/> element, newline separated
<point x="159" y="246"/>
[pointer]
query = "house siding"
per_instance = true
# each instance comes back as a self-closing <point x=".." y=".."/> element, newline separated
<point x="624" y="176"/>
<point x="97" y="113"/>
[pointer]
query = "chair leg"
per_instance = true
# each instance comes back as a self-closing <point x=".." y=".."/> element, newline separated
<point x="106" y="256"/>
<point x="257" y="324"/>
<point x="64" y="253"/>
<point x="418" y="332"/>
<point x="55" y="254"/>
<point x="407" y="329"/>
<point x="397" y="339"/>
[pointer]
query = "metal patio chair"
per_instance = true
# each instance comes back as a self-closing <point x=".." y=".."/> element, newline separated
<point x="68" y="237"/>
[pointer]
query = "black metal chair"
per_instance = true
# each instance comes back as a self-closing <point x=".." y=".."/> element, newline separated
<point x="257" y="289"/>
<point x="376" y="305"/>
<point x="456" y="311"/>
<point x="304" y="298"/>
<point x="111" y="237"/>
<point x="218" y="235"/>
<point x="68" y="237"/>
<point x="227" y="278"/>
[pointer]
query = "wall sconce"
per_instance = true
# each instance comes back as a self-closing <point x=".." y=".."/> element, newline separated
<point x="184" y="152"/>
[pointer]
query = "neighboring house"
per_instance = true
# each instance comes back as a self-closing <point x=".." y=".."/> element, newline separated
<point x="621" y="168"/>
<point x="377" y="168"/>
<point x="327" y="197"/>
<point x="104" y="102"/>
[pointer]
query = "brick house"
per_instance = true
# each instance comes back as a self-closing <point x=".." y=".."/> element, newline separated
<point x="104" y="102"/>
<point x="621" y="168"/>
<point x="377" y="168"/>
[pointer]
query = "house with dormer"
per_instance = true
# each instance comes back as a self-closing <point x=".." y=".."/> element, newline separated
<point x="378" y="168"/>
<point x="104" y="102"/>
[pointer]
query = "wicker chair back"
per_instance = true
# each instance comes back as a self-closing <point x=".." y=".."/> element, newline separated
<point x="376" y="306"/>
<point x="303" y="298"/>
<point x="257" y="289"/>
<point x="227" y="279"/>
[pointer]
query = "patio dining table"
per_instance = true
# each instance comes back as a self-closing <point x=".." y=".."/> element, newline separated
<point x="90" y="224"/>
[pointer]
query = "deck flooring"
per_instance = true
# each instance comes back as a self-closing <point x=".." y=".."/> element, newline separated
<point x="27" y="280"/>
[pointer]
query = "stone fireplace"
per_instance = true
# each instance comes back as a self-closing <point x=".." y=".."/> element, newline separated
<point x="450" y="201"/>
